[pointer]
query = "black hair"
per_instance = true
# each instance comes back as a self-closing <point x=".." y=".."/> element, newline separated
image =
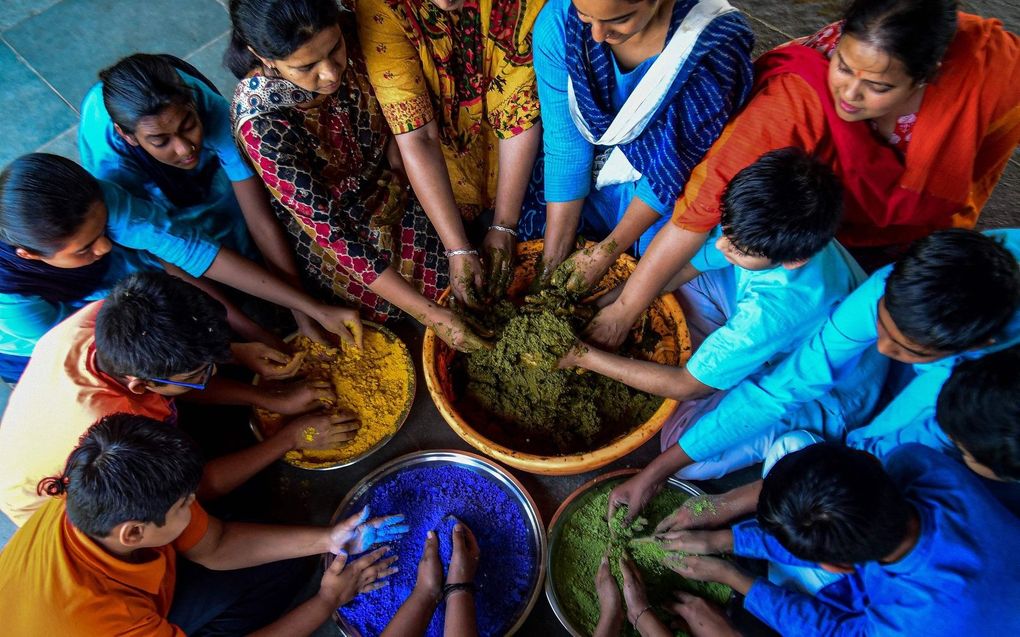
<point x="979" y="408"/>
<point x="126" y="468"/>
<point x="274" y="29"/>
<point x="915" y="32"/>
<point x="142" y="85"/>
<point x="154" y="325"/>
<point x="833" y="504"/>
<point x="953" y="290"/>
<point x="786" y="206"/>
<point x="44" y="200"/>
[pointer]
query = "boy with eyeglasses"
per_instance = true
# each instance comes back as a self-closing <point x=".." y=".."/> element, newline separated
<point x="154" y="338"/>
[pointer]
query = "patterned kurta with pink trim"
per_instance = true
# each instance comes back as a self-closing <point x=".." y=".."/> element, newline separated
<point x="349" y="217"/>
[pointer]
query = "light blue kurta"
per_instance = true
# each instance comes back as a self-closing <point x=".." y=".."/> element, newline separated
<point x="141" y="233"/>
<point x="773" y="311"/>
<point x="105" y="154"/>
<point x="761" y="406"/>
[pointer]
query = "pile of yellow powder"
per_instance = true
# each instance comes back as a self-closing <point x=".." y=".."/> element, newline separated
<point x="375" y="383"/>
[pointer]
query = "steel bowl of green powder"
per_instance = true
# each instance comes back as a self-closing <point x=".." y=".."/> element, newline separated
<point x="579" y="535"/>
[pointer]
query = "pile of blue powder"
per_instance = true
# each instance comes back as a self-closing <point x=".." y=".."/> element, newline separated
<point x="428" y="496"/>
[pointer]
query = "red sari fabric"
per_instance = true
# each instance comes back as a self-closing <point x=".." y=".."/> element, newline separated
<point x="966" y="129"/>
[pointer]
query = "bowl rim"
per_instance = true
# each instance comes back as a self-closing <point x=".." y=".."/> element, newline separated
<point x="556" y="524"/>
<point x="475" y="462"/>
<point x="412" y="390"/>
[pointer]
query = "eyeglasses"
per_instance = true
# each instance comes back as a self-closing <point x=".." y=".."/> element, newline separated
<point x="206" y="372"/>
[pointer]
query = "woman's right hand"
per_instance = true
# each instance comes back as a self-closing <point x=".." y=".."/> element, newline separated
<point x="634" y="493"/>
<point x="467" y="279"/>
<point x="321" y="430"/>
<point x="610" y="327"/>
<point x="553" y="254"/>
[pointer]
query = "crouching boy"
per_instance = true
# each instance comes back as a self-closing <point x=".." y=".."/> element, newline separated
<point x="919" y="547"/>
<point x="128" y="550"/>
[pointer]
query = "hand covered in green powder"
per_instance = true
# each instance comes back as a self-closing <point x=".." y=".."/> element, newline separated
<point x="357" y="533"/>
<point x="634" y="592"/>
<point x="610" y="603"/>
<point x="585" y="268"/>
<point x="711" y="569"/>
<point x="498" y="248"/>
<point x="697" y="542"/>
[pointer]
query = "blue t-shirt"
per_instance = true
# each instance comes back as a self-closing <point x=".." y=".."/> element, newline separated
<point x="960" y="578"/>
<point x="775" y="310"/>
<point x="141" y="232"/>
<point x="836" y="353"/>
<point x="105" y="154"/>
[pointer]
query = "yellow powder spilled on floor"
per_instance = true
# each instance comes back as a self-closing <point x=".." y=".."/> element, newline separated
<point x="373" y="383"/>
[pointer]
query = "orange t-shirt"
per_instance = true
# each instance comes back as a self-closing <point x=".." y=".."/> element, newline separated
<point x="55" y="580"/>
<point x="61" y="394"/>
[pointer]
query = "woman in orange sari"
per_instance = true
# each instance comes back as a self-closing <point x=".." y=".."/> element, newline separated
<point x="914" y="105"/>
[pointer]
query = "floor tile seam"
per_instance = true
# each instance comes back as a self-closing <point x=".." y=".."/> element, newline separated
<point x="59" y="135"/>
<point x="22" y="60"/>
<point x="207" y="44"/>
<point x="770" y="26"/>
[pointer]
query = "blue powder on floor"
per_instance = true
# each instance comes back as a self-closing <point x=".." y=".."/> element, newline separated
<point x="426" y="496"/>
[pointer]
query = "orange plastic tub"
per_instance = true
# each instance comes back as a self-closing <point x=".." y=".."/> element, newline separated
<point x="664" y="317"/>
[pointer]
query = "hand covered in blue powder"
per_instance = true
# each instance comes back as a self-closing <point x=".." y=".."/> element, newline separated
<point x="430" y="570"/>
<point x="357" y="533"/>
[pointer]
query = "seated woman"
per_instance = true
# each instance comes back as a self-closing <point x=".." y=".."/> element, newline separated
<point x="457" y="87"/>
<point x="633" y="94"/>
<point x="67" y="238"/>
<point x="158" y="128"/>
<point x="915" y="106"/>
<point x="305" y="114"/>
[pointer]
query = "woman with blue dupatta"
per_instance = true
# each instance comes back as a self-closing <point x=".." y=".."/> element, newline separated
<point x="633" y="94"/>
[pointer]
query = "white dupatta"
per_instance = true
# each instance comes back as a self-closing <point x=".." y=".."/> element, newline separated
<point x="643" y="103"/>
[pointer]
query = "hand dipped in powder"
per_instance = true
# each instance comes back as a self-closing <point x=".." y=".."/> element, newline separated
<point x="343" y="580"/>
<point x="699" y="617"/>
<point x="357" y="533"/>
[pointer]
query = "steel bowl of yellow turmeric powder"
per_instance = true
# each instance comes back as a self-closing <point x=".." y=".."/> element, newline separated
<point x="376" y="383"/>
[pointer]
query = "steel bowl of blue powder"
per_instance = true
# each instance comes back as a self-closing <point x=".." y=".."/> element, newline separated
<point x="430" y="488"/>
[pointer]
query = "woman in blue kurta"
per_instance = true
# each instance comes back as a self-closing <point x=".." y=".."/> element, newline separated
<point x="156" y="127"/>
<point x="630" y="104"/>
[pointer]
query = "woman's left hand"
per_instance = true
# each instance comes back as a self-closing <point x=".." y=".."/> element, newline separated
<point x="499" y="247"/>
<point x="266" y="361"/>
<point x="357" y="533"/>
<point x="585" y="268"/>
<point x="342" y="321"/>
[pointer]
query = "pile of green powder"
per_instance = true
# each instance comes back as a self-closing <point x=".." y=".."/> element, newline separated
<point x="583" y="540"/>
<point x="518" y="382"/>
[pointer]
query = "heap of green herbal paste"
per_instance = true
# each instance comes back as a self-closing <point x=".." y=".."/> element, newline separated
<point x="518" y="381"/>
<point x="584" y="538"/>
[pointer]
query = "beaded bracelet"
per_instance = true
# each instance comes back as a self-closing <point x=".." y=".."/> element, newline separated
<point x="457" y="253"/>
<point x="509" y="231"/>
<point x="450" y="589"/>
<point x="638" y="618"/>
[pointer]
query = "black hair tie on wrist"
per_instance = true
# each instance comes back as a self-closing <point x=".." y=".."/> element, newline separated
<point x="449" y="589"/>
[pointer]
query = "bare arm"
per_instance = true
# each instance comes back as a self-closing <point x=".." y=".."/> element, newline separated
<point x="413" y="616"/>
<point x="233" y="545"/>
<point x="657" y="379"/>
<point x="562" y="219"/>
<point x="265" y="230"/>
<point x="460" y="615"/>
<point x="670" y="250"/>
<point x="516" y="161"/>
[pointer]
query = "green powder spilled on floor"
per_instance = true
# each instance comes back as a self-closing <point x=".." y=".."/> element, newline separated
<point x="583" y="540"/>
<point x="544" y="409"/>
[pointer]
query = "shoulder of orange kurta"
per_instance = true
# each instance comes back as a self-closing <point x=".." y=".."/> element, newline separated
<point x="968" y="139"/>
<point x="784" y="112"/>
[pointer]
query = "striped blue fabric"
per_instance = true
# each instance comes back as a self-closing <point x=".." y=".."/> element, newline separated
<point x="712" y="85"/>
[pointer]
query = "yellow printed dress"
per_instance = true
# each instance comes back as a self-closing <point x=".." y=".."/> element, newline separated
<point x="470" y="70"/>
